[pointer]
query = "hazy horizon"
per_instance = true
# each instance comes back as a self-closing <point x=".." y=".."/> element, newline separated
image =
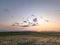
<point x="25" y="30"/>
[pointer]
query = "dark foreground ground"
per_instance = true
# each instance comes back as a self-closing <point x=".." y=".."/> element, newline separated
<point x="29" y="38"/>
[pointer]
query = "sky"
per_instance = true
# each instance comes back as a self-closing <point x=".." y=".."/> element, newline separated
<point x="30" y="15"/>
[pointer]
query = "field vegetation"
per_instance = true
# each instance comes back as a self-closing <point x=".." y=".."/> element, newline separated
<point x="29" y="38"/>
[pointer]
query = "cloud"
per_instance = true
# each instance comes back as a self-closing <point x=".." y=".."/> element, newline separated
<point x="15" y="24"/>
<point x="35" y="19"/>
<point x="25" y="21"/>
<point x="20" y="25"/>
<point x="47" y="20"/>
<point x="34" y="24"/>
<point x="6" y="10"/>
<point x="25" y="26"/>
<point x="12" y="16"/>
<point x="41" y="17"/>
<point x="1" y="25"/>
<point x="32" y="15"/>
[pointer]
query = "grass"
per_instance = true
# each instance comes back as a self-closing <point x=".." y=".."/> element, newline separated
<point x="29" y="38"/>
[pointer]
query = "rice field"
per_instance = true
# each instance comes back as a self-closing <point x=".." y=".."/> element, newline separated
<point x="29" y="40"/>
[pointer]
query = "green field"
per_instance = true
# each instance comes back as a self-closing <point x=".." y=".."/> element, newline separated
<point x="29" y="38"/>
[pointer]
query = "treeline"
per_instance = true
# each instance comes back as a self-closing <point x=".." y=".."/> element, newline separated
<point x="31" y="33"/>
